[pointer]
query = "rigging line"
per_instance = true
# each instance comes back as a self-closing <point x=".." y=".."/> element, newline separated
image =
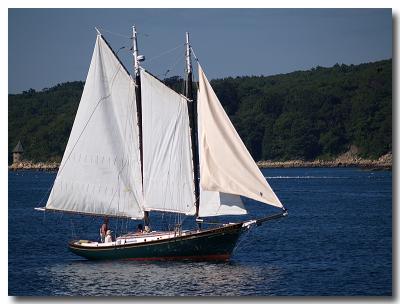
<point x="114" y="33"/>
<point x="164" y="53"/>
<point x="47" y="192"/>
<point x="241" y="239"/>
<point x="123" y="165"/>
<point x="59" y="218"/>
<point x="196" y="83"/>
<point x="195" y="57"/>
<point x="184" y="218"/>
<point x="176" y="62"/>
<point x="84" y="128"/>
<point x="44" y="218"/>
<point x="84" y="227"/>
<point x="119" y="195"/>
<point x="175" y="123"/>
<point x="73" y="234"/>
<point x="172" y="67"/>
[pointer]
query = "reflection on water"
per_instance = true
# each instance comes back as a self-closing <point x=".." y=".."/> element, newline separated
<point x="81" y="277"/>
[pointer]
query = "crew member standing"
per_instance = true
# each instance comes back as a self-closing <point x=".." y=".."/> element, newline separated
<point x="103" y="229"/>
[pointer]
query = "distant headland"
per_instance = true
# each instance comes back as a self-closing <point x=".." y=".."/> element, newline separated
<point x="300" y="119"/>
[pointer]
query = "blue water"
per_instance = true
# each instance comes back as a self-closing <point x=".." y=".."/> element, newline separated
<point x="337" y="240"/>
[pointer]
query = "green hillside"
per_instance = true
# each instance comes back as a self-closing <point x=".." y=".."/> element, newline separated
<point x="311" y="114"/>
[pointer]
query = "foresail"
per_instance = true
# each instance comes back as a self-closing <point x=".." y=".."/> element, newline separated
<point x="214" y="203"/>
<point x="167" y="163"/>
<point x="100" y="170"/>
<point x="225" y="163"/>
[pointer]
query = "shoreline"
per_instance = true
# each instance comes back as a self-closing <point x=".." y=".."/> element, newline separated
<point x="39" y="166"/>
<point x="383" y="163"/>
<point x="365" y="164"/>
<point x="348" y="159"/>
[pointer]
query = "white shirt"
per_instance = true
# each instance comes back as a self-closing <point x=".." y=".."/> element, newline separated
<point x="108" y="239"/>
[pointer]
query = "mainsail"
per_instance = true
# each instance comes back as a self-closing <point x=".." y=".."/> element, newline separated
<point x="167" y="164"/>
<point x="100" y="170"/>
<point x="225" y="164"/>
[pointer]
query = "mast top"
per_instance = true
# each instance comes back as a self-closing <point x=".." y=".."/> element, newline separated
<point x="188" y="61"/>
<point x="135" y="51"/>
<point x="137" y="58"/>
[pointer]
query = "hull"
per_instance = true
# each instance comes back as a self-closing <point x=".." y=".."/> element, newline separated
<point x="212" y="244"/>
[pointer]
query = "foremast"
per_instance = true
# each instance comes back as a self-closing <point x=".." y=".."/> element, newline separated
<point x="192" y="109"/>
<point x="136" y="61"/>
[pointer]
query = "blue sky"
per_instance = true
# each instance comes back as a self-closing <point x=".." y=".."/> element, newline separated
<point x="49" y="46"/>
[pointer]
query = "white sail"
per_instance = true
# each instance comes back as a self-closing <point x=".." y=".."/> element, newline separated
<point x="167" y="163"/>
<point x="225" y="163"/>
<point x="100" y="169"/>
<point x="214" y="203"/>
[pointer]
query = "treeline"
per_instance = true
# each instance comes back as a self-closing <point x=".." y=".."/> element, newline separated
<point x="306" y="115"/>
<point x="43" y="120"/>
<point x="313" y="114"/>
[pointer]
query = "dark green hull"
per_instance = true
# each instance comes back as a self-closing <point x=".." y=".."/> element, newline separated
<point x="211" y="244"/>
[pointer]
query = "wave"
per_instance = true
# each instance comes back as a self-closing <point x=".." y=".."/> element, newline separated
<point x="306" y="177"/>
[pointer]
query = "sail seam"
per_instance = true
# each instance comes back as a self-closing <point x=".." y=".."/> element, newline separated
<point x="91" y="115"/>
<point x="84" y="128"/>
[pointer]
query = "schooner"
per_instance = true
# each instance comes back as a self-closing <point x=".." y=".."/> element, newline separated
<point x="137" y="146"/>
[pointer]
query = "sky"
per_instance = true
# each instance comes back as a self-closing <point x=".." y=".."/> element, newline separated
<point x="50" y="46"/>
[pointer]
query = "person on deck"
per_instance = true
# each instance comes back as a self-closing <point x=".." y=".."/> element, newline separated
<point x="139" y="228"/>
<point x="108" y="238"/>
<point x="104" y="229"/>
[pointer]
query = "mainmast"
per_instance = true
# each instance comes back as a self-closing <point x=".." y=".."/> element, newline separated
<point x="137" y="59"/>
<point x="192" y="109"/>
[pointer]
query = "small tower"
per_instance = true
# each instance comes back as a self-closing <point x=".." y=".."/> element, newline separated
<point x="17" y="153"/>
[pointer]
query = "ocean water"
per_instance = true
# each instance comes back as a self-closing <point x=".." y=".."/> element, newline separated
<point x="337" y="240"/>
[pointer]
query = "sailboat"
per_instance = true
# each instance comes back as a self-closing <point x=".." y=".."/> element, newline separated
<point x="138" y="146"/>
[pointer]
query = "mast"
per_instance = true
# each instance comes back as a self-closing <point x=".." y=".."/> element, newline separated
<point x="192" y="109"/>
<point x="136" y="60"/>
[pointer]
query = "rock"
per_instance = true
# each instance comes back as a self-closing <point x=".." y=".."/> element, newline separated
<point x="29" y="165"/>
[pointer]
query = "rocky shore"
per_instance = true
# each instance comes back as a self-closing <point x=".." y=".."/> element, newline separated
<point x="347" y="159"/>
<point x="29" y="165"/>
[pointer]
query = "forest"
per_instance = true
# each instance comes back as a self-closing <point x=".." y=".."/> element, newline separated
<point x="314" y="114"/>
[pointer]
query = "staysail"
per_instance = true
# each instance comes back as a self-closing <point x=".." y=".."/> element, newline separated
<point x="100" y="170"/>
<point x="214" y="203"/>
<point x="225" y="163"/>
<point x="167" y="164"/>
